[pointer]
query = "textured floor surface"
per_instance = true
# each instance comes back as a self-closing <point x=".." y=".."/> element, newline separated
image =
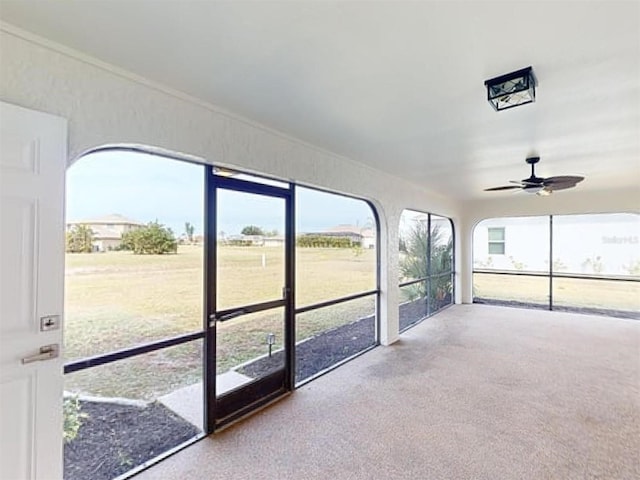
<point x="476" y="392"/>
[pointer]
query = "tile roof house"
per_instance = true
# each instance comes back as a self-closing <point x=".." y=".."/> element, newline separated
<point x="107" y="230"/>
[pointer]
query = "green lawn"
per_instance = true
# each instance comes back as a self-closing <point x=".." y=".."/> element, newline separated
<point x="116" y="300"/>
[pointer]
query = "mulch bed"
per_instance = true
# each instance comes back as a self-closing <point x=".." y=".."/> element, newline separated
<point x="115" y="438"/>
<point x="322" y="351"/>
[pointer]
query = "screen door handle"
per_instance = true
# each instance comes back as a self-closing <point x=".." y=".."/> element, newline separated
<point x="213" y="318"/>
<point x="234" y="314"/>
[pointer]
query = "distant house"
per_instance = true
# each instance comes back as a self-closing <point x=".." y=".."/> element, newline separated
<point x="107" y="230"/>
<point x="253" y="240"/>
<point x="366" y="237"/>
<point x="276" y="241"/>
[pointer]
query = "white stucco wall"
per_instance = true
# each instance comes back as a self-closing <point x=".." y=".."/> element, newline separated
<point x="613" y="241"/>
<point x="106" y="106"/>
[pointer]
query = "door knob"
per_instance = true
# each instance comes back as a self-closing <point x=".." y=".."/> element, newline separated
<point x="47" y="352"/>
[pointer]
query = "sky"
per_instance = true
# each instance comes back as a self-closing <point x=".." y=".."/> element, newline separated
<point x="146" y="188"/>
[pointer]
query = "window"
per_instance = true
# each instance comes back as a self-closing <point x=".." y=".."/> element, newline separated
<point x="426" y="266"/>
<point x="582" y="263"/>
<point x="596" y="262"/>
<point x="496" y="240"/>
<point x="133" y="316"/>
<point x="528" y="254"/>
<point x="336" y="290"/>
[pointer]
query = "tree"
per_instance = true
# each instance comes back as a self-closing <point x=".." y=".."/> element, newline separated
<point x="252" y="230"/>
<point x="415" y="263"/>
<point x="80" y="239"/>
<point x="152" y="239"/>
<point x="416" y="249"/>
<point x="189" y="229"/>
<point x="402" y="244"/>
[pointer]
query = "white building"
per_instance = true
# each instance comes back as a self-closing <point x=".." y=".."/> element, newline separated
<point x="584" y="244"/>
<point x="107" y="230"/>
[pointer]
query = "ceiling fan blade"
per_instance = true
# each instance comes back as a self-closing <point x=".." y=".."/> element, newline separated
<point x="505" y="187"/>
<point x="562" y="182"/>
<point x="563" y="179"/>
<point x="559" y="186"/>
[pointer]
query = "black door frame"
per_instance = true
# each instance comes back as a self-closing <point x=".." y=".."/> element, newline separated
<point x="244" y="400"/>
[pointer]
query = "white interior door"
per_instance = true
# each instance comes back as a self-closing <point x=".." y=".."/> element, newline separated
<point x="32" y="172"/>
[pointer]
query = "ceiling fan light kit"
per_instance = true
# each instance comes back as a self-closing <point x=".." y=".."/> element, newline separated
<point x="512" y="89"/>
<point x="534" y="189"/>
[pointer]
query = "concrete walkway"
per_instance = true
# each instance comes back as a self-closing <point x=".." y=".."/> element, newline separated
<point x="188" y="401"/>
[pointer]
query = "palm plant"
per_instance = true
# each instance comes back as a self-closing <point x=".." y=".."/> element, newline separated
<point x="426" y="255"/>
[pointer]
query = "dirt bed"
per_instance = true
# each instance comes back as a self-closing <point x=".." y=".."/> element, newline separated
<point x="115" y="438"/>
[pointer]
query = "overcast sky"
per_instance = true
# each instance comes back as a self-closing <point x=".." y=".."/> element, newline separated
<point x="145" y="188"/>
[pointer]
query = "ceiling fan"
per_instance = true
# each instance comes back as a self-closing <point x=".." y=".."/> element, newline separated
<point x="538" y="185"/>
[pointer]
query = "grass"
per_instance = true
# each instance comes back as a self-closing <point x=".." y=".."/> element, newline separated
<point x="578" y="293"/>
<point x="116" y="300"/>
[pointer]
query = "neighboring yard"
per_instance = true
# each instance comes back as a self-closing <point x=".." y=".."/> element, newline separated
<point x="600" y="294"/>
<point x="117" y="300"/>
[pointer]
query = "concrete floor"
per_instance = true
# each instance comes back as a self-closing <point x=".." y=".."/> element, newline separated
<point x="476" y="392"/>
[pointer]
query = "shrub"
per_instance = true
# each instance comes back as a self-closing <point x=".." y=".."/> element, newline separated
<point x="516" y="264"/>
<point x="558" y="265"/>
<point x="237" y="242"/>
<point x="594" y="263"/>
<point x="252" y="230"/>
<point x="73" y="417"/>
<point x="152" y="239"/>
<point x="325" y="241"/>
<point x="80" y="239"/>
<point x="633" y="268"/>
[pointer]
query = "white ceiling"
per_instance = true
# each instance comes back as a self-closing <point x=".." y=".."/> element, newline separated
<point x="396" y="85"/>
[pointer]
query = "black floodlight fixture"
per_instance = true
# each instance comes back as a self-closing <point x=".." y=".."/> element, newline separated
<point x="513" y="89"/>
